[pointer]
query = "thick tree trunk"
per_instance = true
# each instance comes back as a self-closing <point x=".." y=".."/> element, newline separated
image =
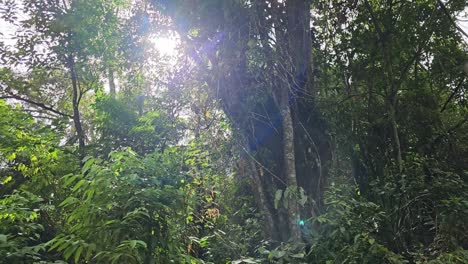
<point x="266" y="100"/>
<point x="298" y="49"/>
<point x="298" y="32"/>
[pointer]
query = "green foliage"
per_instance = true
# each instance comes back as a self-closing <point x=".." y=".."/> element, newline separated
<point x="20" y="231"/>
<point x="390" y="104"/>
<point x="348" y="230"/>
<point x="414" y="216"/>
<point x="285" y="253"/>
<point x="125" y="204"/>
<point x="120" y="126"/>
<point x="163" y="180"/>
<point x="297" y="194"/>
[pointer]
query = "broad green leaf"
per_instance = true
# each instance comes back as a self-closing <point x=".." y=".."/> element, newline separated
<point x="78" y="253"/>
<point x="278" y="195"/>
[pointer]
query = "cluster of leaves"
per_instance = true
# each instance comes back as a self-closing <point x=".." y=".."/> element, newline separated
<point x="116" y="207"/>
<point x="126" y="204"/>
<point x="399" y="124"/>
<point x="20" y="231"/>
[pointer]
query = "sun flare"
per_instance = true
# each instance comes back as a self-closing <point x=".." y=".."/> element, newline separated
<point x="166" y="46"/>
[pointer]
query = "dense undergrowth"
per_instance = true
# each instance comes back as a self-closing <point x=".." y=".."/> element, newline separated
<point x="111" y="153"/>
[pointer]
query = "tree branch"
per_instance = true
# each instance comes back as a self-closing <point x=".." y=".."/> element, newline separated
<point x="40" y="105"/>
<point x="446" y="12"/>
<point x="452" y="95"/>
<point x="449" y="131"/>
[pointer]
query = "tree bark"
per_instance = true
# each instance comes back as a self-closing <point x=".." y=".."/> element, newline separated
<point x="256" y="176"/>
<point x="76" y="110"/>
<point x="298" y="48"/>
<point x="111" y="82"/>
<point x="396" y="137"/>
<point x="290" y="166"/>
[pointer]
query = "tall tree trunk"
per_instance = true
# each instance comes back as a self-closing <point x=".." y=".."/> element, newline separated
<point x="298" y="49"/>
<point x="76" y="111"/>
<point x="290" y="165"/>
<point x="261" y="197"/>
<point x="299" y="38"/>
<point x="248" y="92"/>
<point x="111" y="82"/>
<point x="396" y="137"/>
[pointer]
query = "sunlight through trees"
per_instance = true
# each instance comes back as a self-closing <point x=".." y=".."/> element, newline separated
<point x="233" y="131"/>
